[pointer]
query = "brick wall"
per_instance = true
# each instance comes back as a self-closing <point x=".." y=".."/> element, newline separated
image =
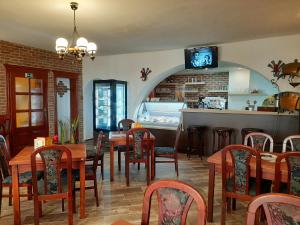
<point x="174" y="87"/>
<point x="16" y="54"/>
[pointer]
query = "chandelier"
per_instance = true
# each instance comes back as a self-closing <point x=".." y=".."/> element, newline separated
<point x="79" y="46"/>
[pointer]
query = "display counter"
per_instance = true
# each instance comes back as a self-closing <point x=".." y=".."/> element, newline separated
<point x="278" y="125"/>
<point x="160" y="115"/>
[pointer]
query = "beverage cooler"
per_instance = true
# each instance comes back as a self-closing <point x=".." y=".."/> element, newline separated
<point x="110" y="104"/>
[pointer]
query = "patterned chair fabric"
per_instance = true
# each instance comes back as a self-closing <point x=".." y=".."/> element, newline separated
<point x="291" y="143"/>
<point x="138" y="142"/>
<point x="292" y="161"/>
<point x="259" y="141"/>
<point x="280" y="209"/>
<point x="55" y="179"/>
<point x="164" y="150"/>
<point x="4" y="159"/>
<point x="174" y="201"/>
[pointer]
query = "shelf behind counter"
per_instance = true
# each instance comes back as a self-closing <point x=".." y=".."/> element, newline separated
<point x="278" y="125"/>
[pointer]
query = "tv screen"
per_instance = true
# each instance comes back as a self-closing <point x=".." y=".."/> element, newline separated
<point x="200" y="58"/>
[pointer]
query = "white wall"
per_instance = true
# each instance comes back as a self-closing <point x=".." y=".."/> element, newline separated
<point x="254" y="54"/>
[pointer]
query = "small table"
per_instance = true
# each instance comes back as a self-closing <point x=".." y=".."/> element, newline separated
<point x="22" y="163"/>
<point x="215" y="165"/>
<point x="117" y="138"/>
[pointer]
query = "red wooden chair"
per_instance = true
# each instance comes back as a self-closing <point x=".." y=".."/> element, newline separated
<point x="236" y="176"/>
<point x="5" y="175"/>
<point x="174" y="201"/>
<point x="56" y="184"/>
<point x="168" y="152"/>
<point x="279" y="209"/>
<point x="292" y="159"/>
<point x="137" y="150"/>
<point x="124" y="125"/>
<point x="91" y="170"/>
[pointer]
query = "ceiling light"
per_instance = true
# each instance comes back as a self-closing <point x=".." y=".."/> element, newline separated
<point x="78" y="46"/>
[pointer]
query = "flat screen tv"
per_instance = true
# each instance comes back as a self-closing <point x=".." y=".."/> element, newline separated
<point x="201" y="58"/>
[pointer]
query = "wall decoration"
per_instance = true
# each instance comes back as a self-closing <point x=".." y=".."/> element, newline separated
<point x="145" y="73"/>
<point x="61" y="88"/>
<point x="282" y="70"/>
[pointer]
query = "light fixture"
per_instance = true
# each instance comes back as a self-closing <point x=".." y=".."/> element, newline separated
<point x="78" y="46"/>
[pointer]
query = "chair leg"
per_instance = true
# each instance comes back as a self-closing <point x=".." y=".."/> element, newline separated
<point x="0" y="194"/>
<point x="176" y="165"/>
<point x="70" y="209"/>
<point x="10" y="197"/>
<point x="223" y="212"/>
<point x="29" y="192"/>
<point x="233" y="204"/>
<point x="119" y="161"/>
<point x="96" y="192"/>
<point x="229" y="200"/>
<point x="63" y="205"/>
<point x="102" y="167"/>
<point x="147" y="164"/>
<point x="139" y="166"/>
<point x="127" y="172"/>
<point x="40" y="209"/>
<point x="74" y="201"/>
<point x="36" y="212"/>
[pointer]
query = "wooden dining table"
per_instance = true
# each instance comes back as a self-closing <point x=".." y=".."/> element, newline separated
<point x="22" y="163"/>
<point x="118" y="138"/>
<point x="215" y="161"/>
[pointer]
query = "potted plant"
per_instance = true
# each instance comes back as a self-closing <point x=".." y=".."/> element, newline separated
<point x="62" y="127"/>
<point x="74" y="126"/>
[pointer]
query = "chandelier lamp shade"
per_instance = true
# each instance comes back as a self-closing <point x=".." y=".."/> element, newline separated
<point x="78" y="46"/>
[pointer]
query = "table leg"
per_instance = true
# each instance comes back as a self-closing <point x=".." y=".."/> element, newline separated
<point x="82" y="189"/>
<point x="152" y="161"/>
<point x="16" y="195"/>
<point x="211" y="190"/>
<point x="111" y="161"/>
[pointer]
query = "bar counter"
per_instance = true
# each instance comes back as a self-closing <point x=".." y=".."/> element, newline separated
<point x="278" y="125"/>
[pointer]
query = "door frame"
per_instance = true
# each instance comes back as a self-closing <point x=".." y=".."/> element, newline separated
<point x="10" y="69"/>
<point x="73" y="95"/>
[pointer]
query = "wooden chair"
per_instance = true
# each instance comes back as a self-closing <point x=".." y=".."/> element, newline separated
<point x="137" y="150"/>
<point x="258" y="141"/>
<point x="292" y="160"/>
<point x="293" y="142"/>
<point x="6" y="178"/>
<point x="279" y="209"/>
<point x="91" y="170"/>
<point x="236" y="176"/>
<point x="124" y="125"/>
<point x="174" y="201"/>
<point x="56" y="184"/>
<point x="168" y="152"/>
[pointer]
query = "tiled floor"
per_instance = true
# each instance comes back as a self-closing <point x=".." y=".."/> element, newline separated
<point x="120" y="202"/>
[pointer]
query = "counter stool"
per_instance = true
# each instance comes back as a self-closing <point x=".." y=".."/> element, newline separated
<point x="248" y="130"/>
<point x="199" y="131"/>
<point x="223" y="133"/>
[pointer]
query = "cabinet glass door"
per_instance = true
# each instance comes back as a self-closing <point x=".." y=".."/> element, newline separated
<point x="103" y="106"/>
<point x="120" y="102"/>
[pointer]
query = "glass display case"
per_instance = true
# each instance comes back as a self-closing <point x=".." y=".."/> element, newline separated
<point x="161" y="115"/>
<point x="110" y="104"/>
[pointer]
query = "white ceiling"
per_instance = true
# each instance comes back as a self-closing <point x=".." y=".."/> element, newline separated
<point x="123" y="26"/>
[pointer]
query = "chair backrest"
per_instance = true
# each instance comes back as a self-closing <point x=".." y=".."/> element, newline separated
<point x="259" y="141"/>
<point x="4" y="158"/>
<point x="174" y="201"/>
<point x="293" y="142"/>
<point x="126" y="124"/>
<point x="236" y="169"/>
<point x="51" y="159"/>
<point x="99" y="149"/>
<point x="138" y="138"/>
<point x="279" y="209"/>
<point x="292" y="161"/>
<point x="178" y="132"/>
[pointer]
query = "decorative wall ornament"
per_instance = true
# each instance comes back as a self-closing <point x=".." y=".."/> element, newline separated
<point x="145" y="73"/>
<point x="282" y="70"/>
<point x="61" y="88"/>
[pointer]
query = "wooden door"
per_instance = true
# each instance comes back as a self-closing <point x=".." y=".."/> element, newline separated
<point x="28" y="105"/>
